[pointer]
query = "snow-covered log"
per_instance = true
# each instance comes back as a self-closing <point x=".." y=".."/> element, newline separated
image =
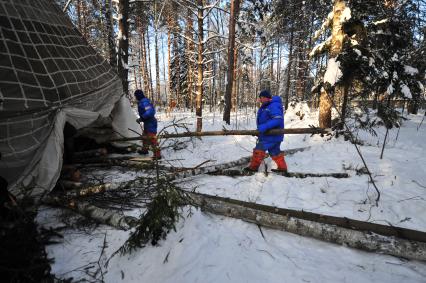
<point x="100" y="215"/>
<point x="221" y="167"/>
<point x="358" y="239"/>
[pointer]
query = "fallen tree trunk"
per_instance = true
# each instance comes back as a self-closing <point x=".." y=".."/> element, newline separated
<point x="112" y="218"/>
<point x="221" y="167"/>
<point x="100" y="215"/>
<point x="240" y="172"/>
<point x="412" y="248"/>
<point x="293" y="131"/>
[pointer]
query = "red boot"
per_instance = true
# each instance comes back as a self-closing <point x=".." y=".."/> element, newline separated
<point x="256" y="159"/>
<point x="280" y="161"/>
<point x="155" y="146"/>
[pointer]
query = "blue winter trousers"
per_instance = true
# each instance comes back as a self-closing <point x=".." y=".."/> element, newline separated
<point x="272" y="148"/>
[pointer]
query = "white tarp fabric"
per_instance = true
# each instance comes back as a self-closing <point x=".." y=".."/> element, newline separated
<point x="49" y="75"/>
<point x="124" y="122"/>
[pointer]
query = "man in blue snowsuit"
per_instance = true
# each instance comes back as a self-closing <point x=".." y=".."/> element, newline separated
<point x="147" y="116"/>
<point x="269" y="116"/>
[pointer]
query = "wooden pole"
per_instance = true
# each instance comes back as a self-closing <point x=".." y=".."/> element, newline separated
<point x="291" y="131"/>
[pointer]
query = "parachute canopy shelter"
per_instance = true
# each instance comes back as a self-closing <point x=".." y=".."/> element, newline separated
<point x="49" y="75"/>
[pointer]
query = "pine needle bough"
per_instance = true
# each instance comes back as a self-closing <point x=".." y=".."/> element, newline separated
<point x="161" y="216"/>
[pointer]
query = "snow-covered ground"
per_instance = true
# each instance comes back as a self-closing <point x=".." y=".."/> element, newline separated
<point x="208" y="248"/>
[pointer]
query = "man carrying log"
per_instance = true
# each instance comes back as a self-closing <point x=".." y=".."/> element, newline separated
<point x="269" y="116"/>
<point x="147" y="116"/>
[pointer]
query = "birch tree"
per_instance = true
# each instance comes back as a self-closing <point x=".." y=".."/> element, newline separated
<point x="333" y="45"/>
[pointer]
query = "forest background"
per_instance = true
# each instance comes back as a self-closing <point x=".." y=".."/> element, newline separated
<point x="208" y="54"/>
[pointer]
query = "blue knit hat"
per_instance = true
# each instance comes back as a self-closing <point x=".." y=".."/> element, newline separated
<point x="139" y="94"/>
<point x="265" y="93"/>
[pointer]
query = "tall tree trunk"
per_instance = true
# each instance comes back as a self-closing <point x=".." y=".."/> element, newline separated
<point x="157" y="61"/>
<point x="169" y="65"/>
<point x="110" y="30"/>
<point x="234" y="82"/>
<point x="176" y="56"/>
<point x="136" y="78"/>
<point x="337" y="36"/>
<point x="123" y="43"/>
<point x="79" y="17"/>
<point x="230" y="75"/>
<point x="344" y="104"/>
<point x="271" y="68"/>
<point x="143" y="62"/>
<point x="199" y="106"/>
<point x="290" y="60"/>
<point x="149" y="72"/>
<point x="157" y="70"/>
<point x="278" y="67"/>
<point x="84" y="14"/>
<point x="189" y="52"/>
<point x="302" y="68"/>
<point x="164" y="69"/>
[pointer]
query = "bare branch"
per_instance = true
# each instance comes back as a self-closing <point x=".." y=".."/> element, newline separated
<point x="210" y="7"/>
<point x="66" y="6"/>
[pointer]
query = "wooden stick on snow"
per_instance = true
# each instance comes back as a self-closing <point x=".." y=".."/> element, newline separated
<point x="292" y="131"/>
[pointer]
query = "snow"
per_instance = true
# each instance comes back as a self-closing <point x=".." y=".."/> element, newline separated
<point x="385" y="74"/>
<point x="406" y="91"/>
<point x="380" y="22"/>
<point x="320" y="47"/>
<point x="333" y="72"/>
<point x="324" y="25"/>
<point x="209" y="248"/>
<point x="390" y="89"/>
<point x="395" y="57"/>
<point x="346" y="15"/>
<point x="410" y="70"/>
<point x="421" y="86"/>
<point x="395" y="76"/>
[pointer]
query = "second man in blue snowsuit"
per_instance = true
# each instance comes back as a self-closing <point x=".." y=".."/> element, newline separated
<point x="147" y="115"/>
<point x="269" y="116"/>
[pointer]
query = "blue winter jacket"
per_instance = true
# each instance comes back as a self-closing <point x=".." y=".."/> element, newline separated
<point x="270" y="116"/>
<point x="147" y="115"/>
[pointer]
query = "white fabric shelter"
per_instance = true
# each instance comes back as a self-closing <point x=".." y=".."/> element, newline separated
<point x="49" y="75"/>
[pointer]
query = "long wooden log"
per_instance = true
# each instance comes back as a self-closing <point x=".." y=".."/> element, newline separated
<point x="291" y="131"/>
<point x="367" y="236"/>
<point x="235" y="172"/>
